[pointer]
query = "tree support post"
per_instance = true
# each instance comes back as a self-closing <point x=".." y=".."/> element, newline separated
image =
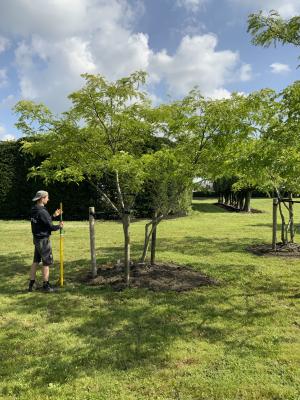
<point x="274" y="238"/>
<point x="61" y="250"/>
<point x="291" y="215"/>
<point x="126" y="229"/>
<point x="92" y="240"/>
<point x="153" y="239"/>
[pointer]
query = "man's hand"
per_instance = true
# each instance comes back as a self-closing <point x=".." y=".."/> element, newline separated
<point x="61" y="224"/>
<point x="57" y="212"/>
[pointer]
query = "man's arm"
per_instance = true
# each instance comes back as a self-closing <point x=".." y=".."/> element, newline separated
<point x="46" y="219"/>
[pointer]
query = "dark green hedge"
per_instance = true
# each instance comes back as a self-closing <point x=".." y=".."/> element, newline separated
<point x="16" y="191"/>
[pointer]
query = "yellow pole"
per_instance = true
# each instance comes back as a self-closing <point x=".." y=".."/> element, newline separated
<point x="61" y="251"/>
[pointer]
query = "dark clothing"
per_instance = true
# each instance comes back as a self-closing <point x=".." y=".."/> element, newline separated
<point x="41" y="222"/>
<point x="42" y="251"/>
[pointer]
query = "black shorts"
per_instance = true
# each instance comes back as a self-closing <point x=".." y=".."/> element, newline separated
<point x="42" y="251"/>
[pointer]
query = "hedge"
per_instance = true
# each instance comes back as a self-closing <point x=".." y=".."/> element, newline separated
<point x="16" y="191"/>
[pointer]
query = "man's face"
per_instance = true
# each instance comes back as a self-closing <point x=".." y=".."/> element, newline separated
<point x="45" y="200"/>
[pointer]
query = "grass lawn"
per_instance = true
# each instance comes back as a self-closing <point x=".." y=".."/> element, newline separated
<point x="239" y="340"/>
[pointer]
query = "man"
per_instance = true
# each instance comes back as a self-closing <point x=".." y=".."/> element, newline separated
<point x="41" y="226"/>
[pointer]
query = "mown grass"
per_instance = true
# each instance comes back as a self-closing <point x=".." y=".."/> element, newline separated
<point x="238" y="340"/>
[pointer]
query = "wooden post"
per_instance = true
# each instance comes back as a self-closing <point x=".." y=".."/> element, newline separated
<point x="153" y="238"/>
<point x="274" y="239"/>
<point x="153" y="245"/>
<point x="61" y="250"/>
<point x="291" y="215"/>
<point x="92" y="240"/>
<point x="126" y="229"/>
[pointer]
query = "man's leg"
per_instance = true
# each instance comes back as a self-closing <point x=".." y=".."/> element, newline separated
<point x="33" y="271"/>
<point x="47" y="258"/>
<point x="35" y="264"/>
<point x="46" y="284"/>
<point x="45" y="273"/>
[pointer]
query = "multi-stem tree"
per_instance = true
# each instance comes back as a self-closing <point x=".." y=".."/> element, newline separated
<point x="167" y="183"/>
<point x="104" y="132"/>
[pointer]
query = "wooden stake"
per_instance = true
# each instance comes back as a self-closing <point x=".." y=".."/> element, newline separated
<point x="291" y="216"/>
<point x="92" y="240"/>
<point x="61" y="250"/>
<point x="274" y="239"/>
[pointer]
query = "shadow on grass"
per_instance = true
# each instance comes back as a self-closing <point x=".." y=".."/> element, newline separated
<point x="207" y="208"/>
<point x="95" y="329"/>
<point x="270" y="225"/>
<point x="189" y="245"/>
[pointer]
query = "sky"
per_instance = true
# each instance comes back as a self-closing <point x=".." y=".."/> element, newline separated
<point x="45" y="45"/>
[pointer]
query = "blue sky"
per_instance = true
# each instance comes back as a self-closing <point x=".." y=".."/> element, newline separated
<point x="46" y="45"/>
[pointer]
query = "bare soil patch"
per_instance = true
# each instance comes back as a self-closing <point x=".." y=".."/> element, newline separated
<point x="286" y="250"/>
<point x="158" y="277"/>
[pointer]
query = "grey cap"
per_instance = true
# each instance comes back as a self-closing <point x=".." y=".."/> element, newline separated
<point x="40" y="194"/>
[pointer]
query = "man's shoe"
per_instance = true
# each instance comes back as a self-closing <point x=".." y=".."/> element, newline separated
<point x="30" y="287"/>
<point x="47" y="287"/>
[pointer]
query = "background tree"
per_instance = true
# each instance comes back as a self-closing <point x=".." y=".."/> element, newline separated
<point x="208" y="132"/>
<point x="269" y="157"/>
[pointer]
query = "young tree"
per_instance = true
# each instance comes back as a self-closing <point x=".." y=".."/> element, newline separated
<point x="167" y="184"/>
<point x="104" y="132"/>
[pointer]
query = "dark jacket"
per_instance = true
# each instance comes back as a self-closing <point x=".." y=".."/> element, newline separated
<point x="41" y="222"/>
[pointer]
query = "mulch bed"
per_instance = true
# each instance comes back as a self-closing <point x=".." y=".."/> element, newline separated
<point x="287" y="250"/>
<point x="227" y="207"/>
<point x="158" y="277"/>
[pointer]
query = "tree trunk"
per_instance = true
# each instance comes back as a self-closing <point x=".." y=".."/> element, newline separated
<point x="291" y="215"/>
<point x="226" y="198"/>
<point x="126" y="229"/>
<point x="247" y="207"/>
<point x="146" y="241"/>
<point x="92" y="241"/>
<point x="283" y="235"/>
<point x="241" y="199"/>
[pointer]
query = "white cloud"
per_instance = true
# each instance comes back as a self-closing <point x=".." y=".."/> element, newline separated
<point x="197" y="62"/>
<point x="220" y="94"/>
<point x="191" y="5"/>
<point x="246" y="73"/>
<point x="96" y="36"/>
<point x="287" y="8"/>
<point x="278" y="68"/>
<point x="4" y="135"/>
<point x="48" y="71"/>
<point x="59" y="18"/>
